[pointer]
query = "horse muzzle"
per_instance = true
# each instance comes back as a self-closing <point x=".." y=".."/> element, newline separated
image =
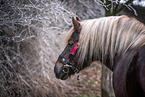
<point x="61" y="72"/>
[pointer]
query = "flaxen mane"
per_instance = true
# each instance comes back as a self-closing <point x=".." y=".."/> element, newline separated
<point x="108" y="36"/>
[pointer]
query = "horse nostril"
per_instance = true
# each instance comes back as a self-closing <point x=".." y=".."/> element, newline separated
<point x="61" y="73"/>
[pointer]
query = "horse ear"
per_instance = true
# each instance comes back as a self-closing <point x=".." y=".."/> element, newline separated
<point x="76" y="24"/>
<point x="78" y="18"/>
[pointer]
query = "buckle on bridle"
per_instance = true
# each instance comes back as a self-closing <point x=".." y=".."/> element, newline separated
<point x="65" y="69"/>
<point x="67" y="65"/>
<point x="76" y="71"/>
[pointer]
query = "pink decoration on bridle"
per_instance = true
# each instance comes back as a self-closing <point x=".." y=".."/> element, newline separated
<point x="75" y="49"/>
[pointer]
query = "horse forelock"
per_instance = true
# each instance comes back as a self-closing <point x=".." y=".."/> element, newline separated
<point x="107" y="36"/>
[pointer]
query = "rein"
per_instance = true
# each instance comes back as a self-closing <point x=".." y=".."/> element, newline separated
<point x="67" y="63"/>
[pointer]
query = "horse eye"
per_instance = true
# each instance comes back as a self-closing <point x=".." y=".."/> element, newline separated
<point x="70" y="43"/>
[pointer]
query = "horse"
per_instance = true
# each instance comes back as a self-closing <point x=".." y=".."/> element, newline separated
<point x="116" y="41"/>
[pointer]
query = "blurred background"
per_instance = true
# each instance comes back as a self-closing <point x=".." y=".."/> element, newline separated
<point x="32" y="33"/>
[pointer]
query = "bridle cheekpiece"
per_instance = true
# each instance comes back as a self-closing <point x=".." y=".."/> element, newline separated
<point x="67" y="63"/>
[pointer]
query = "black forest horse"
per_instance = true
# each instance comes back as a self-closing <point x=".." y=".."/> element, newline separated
<point x="116" y="41"/>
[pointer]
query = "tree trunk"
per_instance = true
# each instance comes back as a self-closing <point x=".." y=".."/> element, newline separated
<point x="106" y="83"/>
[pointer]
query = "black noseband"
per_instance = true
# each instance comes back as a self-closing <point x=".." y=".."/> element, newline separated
<point x="67" y="64"/>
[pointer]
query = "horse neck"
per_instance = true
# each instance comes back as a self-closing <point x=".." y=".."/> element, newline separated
<point x="109" y="63"/>
<point x="107" y="60"/>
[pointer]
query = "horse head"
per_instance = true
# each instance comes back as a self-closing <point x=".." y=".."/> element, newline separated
<point x="66" y="63"/>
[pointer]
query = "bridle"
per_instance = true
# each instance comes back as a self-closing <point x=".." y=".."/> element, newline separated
<point x="67" y="63"/>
